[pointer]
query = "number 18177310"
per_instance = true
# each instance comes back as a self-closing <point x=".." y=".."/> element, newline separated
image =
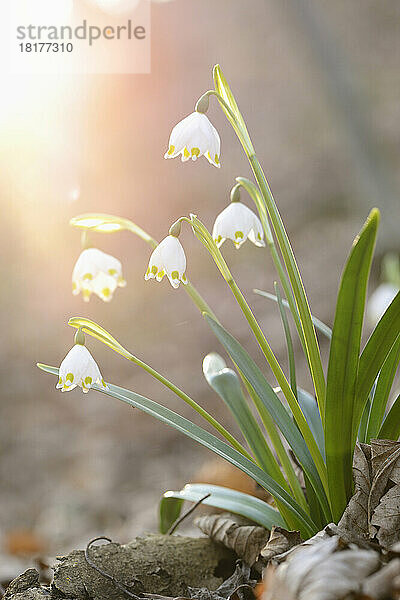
<point x="46" y="47"/>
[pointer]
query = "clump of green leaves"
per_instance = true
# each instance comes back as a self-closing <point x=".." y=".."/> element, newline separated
<point x="351" y="395"/>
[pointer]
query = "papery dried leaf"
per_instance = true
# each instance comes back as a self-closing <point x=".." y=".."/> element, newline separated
<point x="236" y="534"/>
<point x="321" y="572"/>
<point x="355" y="517"/>
<point x="374" y="510"/>
<point x="238" y="583"/>
<point x="384" y="583"/>
<point x="384" y="455"/>
<point x="323" y="535"/>
<point x="280" y="541"/>
<point x="386" y="518"/>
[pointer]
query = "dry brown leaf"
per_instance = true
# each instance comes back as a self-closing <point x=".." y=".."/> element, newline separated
<point x="322" y="571"/>
<point x="384" y="583"/>
<point x="384" y="455"/>
<point x="280" y="541"/>
<point x="355" y="517"/>
<point x="374" y="509"/>
<point x="236" y="534"/>
<point x="386" y="518"/>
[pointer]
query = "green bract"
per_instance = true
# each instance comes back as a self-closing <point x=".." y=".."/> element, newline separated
<point x="320" y="427"/>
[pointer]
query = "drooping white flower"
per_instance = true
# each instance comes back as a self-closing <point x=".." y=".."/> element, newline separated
<point x="237" y="223"/>
<point x="168" y="259"/>
<point x="79" y="368"/>
<point x="195" y="136"/>
<point x="97" y="272"/>
<point x="380" y="300"/>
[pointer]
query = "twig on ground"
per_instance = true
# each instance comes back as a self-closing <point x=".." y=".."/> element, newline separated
<point x="176" y="524"/>
<point x="90" y="562"/>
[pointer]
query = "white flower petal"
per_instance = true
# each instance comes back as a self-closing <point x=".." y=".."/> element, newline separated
<point x="168" y="259"/>
<point x="79" y="368"/>
<point x="91" y="264"/>
<point x="238" y="223"/>
<point x="104" y="286"/>
<point x="193" y="137"/>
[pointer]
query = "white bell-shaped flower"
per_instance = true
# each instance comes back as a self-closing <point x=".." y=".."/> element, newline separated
<point x="168" y="259"/>
<point x="237" y="223"/>
<point x="97" y="272"/>
<point x="380" y="300"/>
<point x="195" y="136"/>
<point x="79" y="368"/>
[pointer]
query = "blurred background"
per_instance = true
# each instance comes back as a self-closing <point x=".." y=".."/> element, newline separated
<point x="318" y="83"/>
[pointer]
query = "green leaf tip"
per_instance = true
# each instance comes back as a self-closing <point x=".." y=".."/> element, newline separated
<point x="372" y="221"/>
<point x="47" y="368"/>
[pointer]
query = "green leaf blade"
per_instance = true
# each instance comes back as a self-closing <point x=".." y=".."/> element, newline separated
<point x="343" y="366"/>
<point x="383" y="386"/>
<point x="276" y="409"/>
<point x="310" y="409"/>
<point x="169" y="511"/>
<point x="374" y="355"/>
<point x="230" y="500"/>
<point x="208" y="440"/>
<point x="390" y="429"/>
<point x="318" y="324"/>
<point x="226" y="384"/>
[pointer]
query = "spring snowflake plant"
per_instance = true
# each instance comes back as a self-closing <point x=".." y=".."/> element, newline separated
<point x="350" y="397"/>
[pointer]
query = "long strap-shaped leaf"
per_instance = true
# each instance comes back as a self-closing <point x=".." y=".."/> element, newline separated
<point x="374" y="355"/>
<point x="305" y="523"/>
<point x="320" y="325"/>
<point x="343" y="366"/>
<point x="383" y="386"/>
<point x="311" y="342"/>
<point x="310" y="337"/>
<point x="225" y="382"/>
<point x="390" y="429"/>
<point x="310" y="409"/>
<point x="305" y="448"/>
<point x="230" y="500"/>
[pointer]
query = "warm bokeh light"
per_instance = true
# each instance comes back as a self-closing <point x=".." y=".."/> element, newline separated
<point x="94" y="144"/>
<point x="42" y="11"/>
<point x="116" y="7"/>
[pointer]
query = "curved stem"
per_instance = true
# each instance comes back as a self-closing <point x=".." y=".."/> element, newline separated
<point x="103" y="336"/>
<point x="203" y="413"/>
<point x="313" y="353"/>
<point x="277" y="443"/>
<point x="239" y="127"/>
<point x="257" y="198"/>
<point x="220" y="99"/>
<point x="307" y="326"/>
<point x="205" y="237"/>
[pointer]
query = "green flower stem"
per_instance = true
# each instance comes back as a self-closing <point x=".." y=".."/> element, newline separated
<point x="203" y="413"/>
<point x="283" y="383"/>
<point x="204" y="236"/>
<point x="103" y="336"/>
<point x="280" y="450"/>
<point x="256" y="196"/>
<point x="235" y="120"/>
<point x="313" y="353"/>
<point x="198" y="299"/>
<point x="98" y="222"/>
<point x="310" y="337"/>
